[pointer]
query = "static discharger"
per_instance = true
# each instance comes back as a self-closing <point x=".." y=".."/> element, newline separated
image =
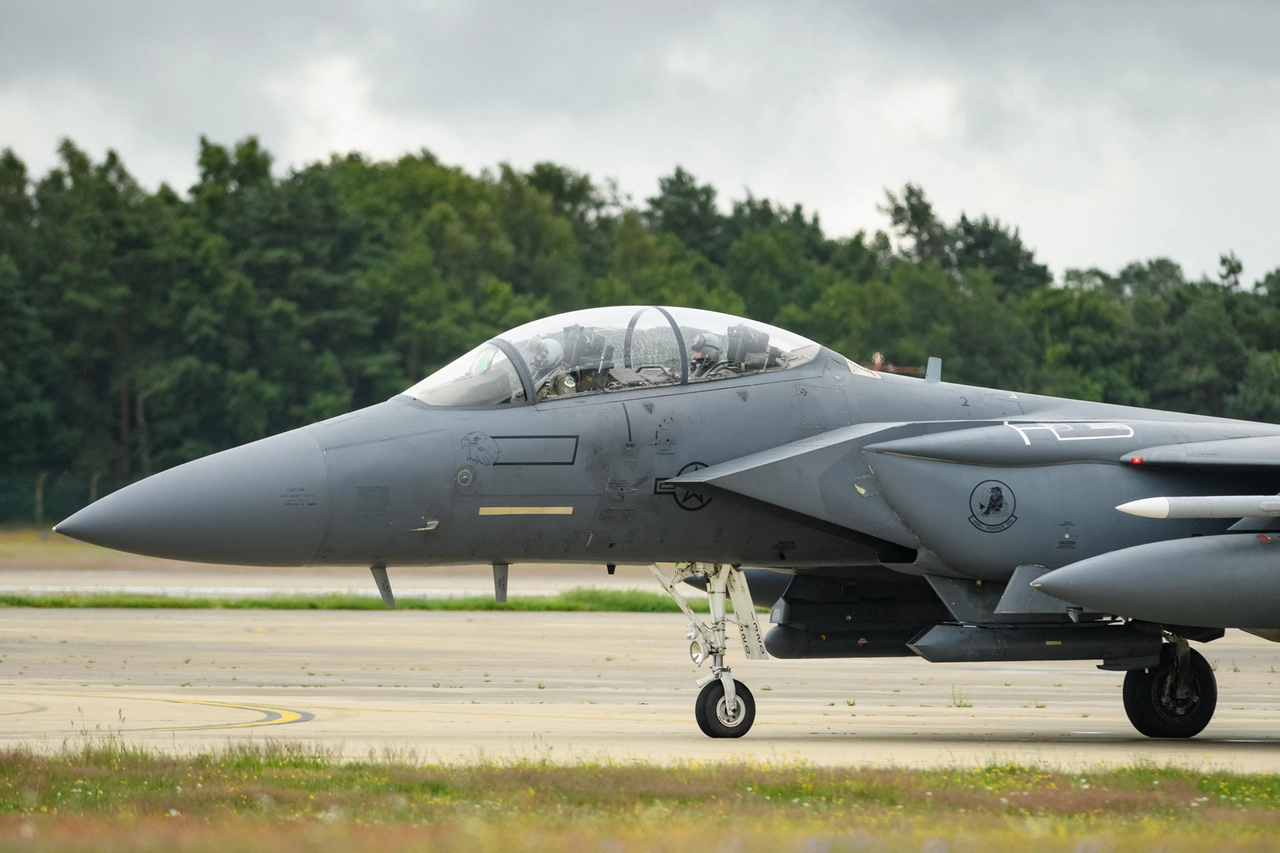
<point x="1217" y="506"/>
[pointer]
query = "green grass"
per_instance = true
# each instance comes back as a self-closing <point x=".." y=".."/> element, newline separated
<point x="579" y="599"/>
<point x="109" y="795"/>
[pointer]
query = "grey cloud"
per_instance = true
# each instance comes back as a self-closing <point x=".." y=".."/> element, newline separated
<point x="1154" y="103"/>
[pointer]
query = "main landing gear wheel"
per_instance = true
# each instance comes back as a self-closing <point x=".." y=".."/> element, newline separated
<point x="716" y="718"/>
<point x="725" y="707"/>
<point x="1174" y="699"/>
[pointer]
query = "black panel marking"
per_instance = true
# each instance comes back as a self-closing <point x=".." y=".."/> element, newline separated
<point x="537" y="449"/>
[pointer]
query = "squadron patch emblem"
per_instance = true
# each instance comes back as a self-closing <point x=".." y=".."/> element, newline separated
<point x="991" y="505"/>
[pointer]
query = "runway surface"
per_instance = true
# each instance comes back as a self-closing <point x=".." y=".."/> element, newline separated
<point x="465" y="686"/>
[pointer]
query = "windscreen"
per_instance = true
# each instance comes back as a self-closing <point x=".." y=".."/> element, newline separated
<point x="482" y="377"/>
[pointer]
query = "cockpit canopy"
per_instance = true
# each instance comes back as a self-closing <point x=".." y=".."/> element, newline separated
<point x="605" y="350"/>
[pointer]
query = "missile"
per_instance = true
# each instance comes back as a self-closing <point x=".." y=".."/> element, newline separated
<point x="1227" y="581"/>
<point x="1215" y="506"/>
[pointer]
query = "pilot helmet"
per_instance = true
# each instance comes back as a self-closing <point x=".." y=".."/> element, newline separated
<point x="546" y="352"/>
<point x="705" y="348"/>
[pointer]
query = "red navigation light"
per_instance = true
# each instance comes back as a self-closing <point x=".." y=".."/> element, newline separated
<point x="1264" y="538"/>
<point x="1136" y="460"/>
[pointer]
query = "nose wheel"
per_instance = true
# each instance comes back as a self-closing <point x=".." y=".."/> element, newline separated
<point x="725" y="707"/>
<point x="1174" y="699"/>
<point x="721" y="715"/>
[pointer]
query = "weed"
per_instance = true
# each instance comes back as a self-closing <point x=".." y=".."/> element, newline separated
<point x="959" y="699"/>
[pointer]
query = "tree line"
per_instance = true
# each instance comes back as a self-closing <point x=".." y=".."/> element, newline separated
<point x="142" y="329"/>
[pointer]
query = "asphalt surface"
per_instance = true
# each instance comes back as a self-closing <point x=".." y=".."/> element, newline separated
<point x="571" y="686"/>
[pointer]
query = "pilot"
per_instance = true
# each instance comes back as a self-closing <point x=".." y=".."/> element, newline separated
<point x="546" y="356"/>
<point x="705" y="361"/>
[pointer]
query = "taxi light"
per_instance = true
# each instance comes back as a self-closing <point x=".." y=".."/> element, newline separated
<point x="699" y="652"/>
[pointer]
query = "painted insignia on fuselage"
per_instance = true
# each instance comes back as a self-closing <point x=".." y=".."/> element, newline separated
<point x="991" y="505"/>
<point x="480" y="448"/>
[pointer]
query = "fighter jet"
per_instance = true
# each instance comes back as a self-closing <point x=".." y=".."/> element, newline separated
<point x="875" y="514"/>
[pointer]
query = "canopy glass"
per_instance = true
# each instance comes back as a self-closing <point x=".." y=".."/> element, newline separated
<point x="608" y="350"/>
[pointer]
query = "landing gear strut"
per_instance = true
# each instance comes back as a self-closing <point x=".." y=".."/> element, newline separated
<point x="1174" y="699"/>
<point x="725" y="707"/>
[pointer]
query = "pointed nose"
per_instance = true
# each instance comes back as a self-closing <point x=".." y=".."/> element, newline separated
<point x="263" y="504"/>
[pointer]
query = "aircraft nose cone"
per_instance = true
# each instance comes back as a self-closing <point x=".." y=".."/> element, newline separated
<point x="263" y="504"/>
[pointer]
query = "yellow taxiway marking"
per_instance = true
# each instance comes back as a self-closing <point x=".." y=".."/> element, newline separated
<point x="526" y="510"/>
<point x="270" y="716"/>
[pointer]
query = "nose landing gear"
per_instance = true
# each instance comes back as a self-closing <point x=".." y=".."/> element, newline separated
<point x="725" y="707"/>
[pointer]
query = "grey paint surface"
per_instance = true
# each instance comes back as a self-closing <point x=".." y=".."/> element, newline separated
<point x="265" y="503"/>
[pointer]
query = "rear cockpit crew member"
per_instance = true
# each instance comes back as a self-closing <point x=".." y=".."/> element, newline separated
<point x="706" y="356"/>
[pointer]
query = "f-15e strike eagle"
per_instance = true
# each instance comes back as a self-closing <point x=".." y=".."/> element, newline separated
<point x="878" y="515"/>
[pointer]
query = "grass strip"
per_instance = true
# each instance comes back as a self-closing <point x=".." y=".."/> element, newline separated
<point x="578" y="599"/>
<point x="287" y="798"/>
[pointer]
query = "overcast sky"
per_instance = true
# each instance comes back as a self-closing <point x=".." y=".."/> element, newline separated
<point x="1106" y="131"/>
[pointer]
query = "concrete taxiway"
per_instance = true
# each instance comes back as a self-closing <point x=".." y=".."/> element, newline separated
<point x="566" y="686"/>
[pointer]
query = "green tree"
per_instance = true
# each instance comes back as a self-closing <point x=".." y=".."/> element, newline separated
<point x="687" y="210"/>
<point x="1258" y="397"/>
<point x="141" y="329"/>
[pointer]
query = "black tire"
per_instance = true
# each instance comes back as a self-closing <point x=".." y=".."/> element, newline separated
<point x="714" y="718"/>
<point x="1155" y="709"/>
